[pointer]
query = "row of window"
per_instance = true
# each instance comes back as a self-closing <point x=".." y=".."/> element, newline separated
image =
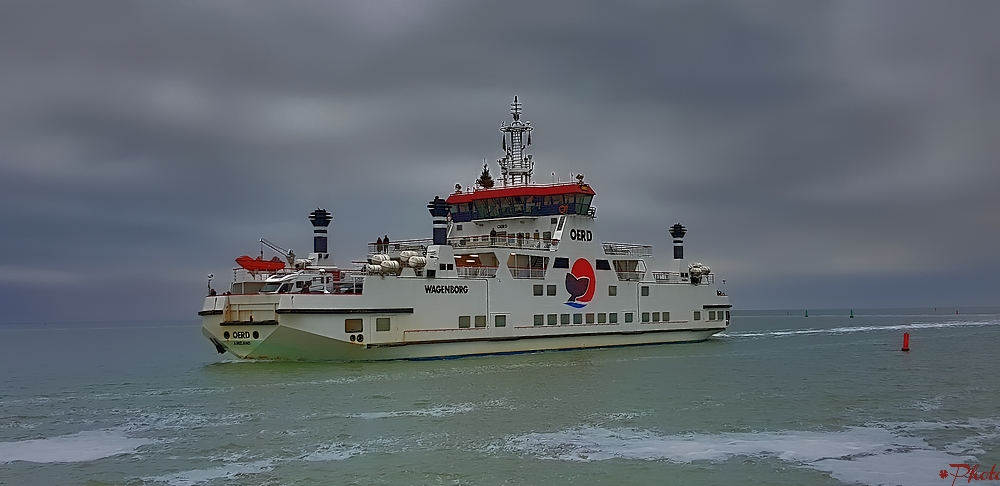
<point x="382" y="324"/>
<point x="464" y="322"/>
<point x="522" y="206"/>
<point x="655" y="316"/>
<point x="590" y="318"/>
<point x="550" y="290"/>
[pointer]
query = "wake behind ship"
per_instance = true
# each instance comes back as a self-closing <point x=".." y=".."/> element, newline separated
<point x="512" y="266"/>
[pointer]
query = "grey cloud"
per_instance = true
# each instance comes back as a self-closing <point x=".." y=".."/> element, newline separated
<point x="822" y="143"/>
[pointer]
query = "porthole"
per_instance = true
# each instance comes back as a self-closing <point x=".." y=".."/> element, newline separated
<point x="352" y="338"/>
<point x="225" y="334"/>
<point x="256" y="335"/>
<point x="361" y="337"/>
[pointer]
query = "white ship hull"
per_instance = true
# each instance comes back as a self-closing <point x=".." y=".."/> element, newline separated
<point x="425" y="325"/>
<point x="512" y="268"/>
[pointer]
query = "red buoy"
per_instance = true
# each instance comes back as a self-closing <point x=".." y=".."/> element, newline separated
<point x="906" y="341"/>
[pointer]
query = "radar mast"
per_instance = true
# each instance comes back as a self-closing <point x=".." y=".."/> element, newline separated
<point x="516" y="166"/>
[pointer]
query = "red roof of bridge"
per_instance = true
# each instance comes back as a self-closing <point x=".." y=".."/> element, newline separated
<point x="540" y="190"/>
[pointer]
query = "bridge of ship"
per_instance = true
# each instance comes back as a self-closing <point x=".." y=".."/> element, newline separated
<point x="533" y="200"/>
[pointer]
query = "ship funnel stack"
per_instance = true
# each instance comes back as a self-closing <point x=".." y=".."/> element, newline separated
<point x="678" y="231"/>
<point x="439" y="211"/>
<point x="320" y="219"/>
<point x="516" y="166"/>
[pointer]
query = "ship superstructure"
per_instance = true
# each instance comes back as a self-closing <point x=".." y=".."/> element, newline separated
<point x="511" y="267"/>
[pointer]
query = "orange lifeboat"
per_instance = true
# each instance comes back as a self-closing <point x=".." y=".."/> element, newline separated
<point x="259" y="264"/>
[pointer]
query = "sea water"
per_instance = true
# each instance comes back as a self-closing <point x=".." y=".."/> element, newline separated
<point x="779" y="398"/>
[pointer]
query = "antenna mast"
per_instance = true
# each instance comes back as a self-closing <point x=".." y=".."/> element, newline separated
<point x="516" y="167"/>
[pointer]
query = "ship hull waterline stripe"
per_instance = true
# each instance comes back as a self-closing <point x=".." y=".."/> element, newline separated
<point x="392" y="310"/>
<point x="270" y="322"/>
<point x="574" y="348"/>
<point x="543" y="336"/>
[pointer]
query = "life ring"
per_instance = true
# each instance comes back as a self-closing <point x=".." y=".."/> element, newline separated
<point x="563" y="209"/>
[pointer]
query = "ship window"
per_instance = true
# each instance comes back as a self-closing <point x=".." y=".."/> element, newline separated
<point x="577" y="318"/>
<point x="547" y="235"/>
<point x="727" y="315"/>
<point x="550" y="290"/>
<point x="431" y="273"/>
<point x="269" y="287"/>
<point x="551" y="319"/>
<point x="628" y="317"/>
<point x="298" y="284"/>
<point x="602" y="318"/>
<point x="441" y="266"/>
<point x="285" y="288"/>
<point x="564" y="318"/>
<point x="480" y="321"/>
<point x="381" y="323"/>
<point x="537" y="289"/>
<point x="645" y="317"/>
<point x="666" y="316"/>
<point x="464" y="321"/>
<point x="590" y="318"/>
<point x="656" y="317"/>
<point x="553" y="220"/>
<point x="451" y="266"/>
<point x="613" y="318"/>
<point x="539" y="319"/>
<point x="645" y="291"/>
<point x="603" y="265"/>
<point x="697" y="315"/>
<point x="527" y="266"/>
<point x="500" y="321"/>
<point x="354" y="325"/>
<point x="711" y="315"/>
<point x="612" y="290"/>
<point x="561" y="262"/>
<point x="629" y="269"/>
<point x="459" y="227"/>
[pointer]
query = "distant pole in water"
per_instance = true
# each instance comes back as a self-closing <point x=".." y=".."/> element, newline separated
<point x="807" y="313"/>
<point x="906" y="341"/>
<point x="852" y="313"/>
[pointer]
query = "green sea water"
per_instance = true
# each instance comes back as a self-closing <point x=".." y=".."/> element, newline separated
<point x="778" y="399"/>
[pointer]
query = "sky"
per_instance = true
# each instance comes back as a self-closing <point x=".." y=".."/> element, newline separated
<point x="821" y="154"/>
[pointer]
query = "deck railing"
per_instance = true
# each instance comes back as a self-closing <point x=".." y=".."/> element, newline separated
<point x="477" y="272"/>
<point x="536" y="273"/>
<point x="470" y="242"/>
<point x="676" y="277"/>
<point x="627" y="249"/>
<point x="630" y="276"/>
<point x="340" y="281"/>
<point x="509" y="241"/>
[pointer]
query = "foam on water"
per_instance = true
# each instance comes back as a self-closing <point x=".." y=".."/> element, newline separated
<point x="198" y="476"/>
<point x="235" y="468"/>
<point x="426" y="412"/>
<point x="80" y="447"/>
<point x="854" y="329"/>
<point x="332" y="452"/>
<point x="869" y="455"/>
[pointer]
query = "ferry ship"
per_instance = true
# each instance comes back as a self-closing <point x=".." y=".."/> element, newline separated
<point x="512" y="266"/>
